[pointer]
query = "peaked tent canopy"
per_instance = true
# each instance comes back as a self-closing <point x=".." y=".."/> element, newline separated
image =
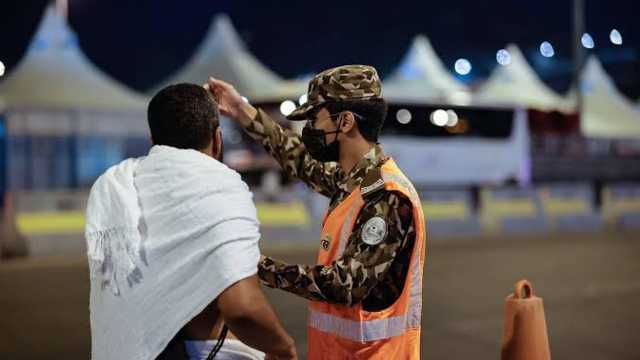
<point x="56" y="74"/>
<point x="222" y="54"/>
<point x="421" y="77"/>
<point x="517" y="84"/>
<point x="67" y="121"/>
<point x="606" y="112"/>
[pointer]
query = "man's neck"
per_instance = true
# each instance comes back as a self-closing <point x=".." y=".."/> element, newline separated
<point x="352" y="153"/>
<point x="207" y="151"/>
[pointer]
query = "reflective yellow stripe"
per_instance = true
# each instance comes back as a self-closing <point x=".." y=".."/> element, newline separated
<point x="356" y="330"/>
<point x="346" y="229"/>
<point x="392" y="177"/>
<point x="363" y="331"/>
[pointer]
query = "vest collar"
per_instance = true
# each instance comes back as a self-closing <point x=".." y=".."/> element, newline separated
<point x="371" y="160"/>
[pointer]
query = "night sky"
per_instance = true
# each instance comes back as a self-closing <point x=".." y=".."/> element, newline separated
<point x="143" y="41"/>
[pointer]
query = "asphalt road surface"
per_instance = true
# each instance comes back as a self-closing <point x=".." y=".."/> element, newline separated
<point x="590" y="285"/>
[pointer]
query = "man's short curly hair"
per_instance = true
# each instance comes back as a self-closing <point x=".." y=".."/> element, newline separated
<point x="184" y="116"/>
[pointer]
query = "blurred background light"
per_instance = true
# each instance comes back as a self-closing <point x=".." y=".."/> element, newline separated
<point x="503" y="57"/>
<point x="403" y="116"/>
<point x="615" y="37"/>
<point x="461" y="127"/>
<point x="546" y="49"/>
<point x="439" y="117"/>
<point x="587" y="41"/>
<point x="452" y="118"/>
<point x="287" y="107"/>
<point x="463" y="66"/>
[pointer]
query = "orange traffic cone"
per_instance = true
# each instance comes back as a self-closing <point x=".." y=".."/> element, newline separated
<point x="525" y="329"/>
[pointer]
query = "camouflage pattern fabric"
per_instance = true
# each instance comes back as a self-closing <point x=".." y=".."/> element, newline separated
<point x="371" y="274"/>
<point x="342" y="83"/>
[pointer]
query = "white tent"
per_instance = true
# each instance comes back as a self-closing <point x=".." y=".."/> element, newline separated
<point x="222" y="54"/>
<point x="55" y="73"/>
<point x="55" y="88"/>
<point x="606" y="112"/>
<point x="517" y="84"/>
<point x="287" y="90"/>
<point x="421" y="78"/>
<point x="67" y="121"/>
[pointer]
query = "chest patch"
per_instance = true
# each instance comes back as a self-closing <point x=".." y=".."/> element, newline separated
<point x="374" y="231"/>
<point x="325" y="242"/>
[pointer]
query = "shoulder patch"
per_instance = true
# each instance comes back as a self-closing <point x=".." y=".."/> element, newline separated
<point x="372" y="182"/>
<point x="374" y="231"/>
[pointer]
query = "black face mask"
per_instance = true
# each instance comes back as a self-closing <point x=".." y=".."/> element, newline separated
<point x="315" y="142"/>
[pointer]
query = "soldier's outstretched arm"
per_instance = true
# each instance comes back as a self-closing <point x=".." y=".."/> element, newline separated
<point x="365" y="261"/>
<point x="285" y="146"/>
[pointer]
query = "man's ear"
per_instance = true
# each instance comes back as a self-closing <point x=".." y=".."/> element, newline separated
<point x="217" y="143"/>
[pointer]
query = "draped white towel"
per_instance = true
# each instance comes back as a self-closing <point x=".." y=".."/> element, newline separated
<point x="166" y="234"/>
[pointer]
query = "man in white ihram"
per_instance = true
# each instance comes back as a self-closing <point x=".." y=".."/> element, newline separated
<point x="172" y="242"/>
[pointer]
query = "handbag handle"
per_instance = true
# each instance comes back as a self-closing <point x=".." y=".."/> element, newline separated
<point x="523" y="287"/>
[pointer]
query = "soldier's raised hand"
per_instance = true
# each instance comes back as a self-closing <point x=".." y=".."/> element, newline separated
<point x="230" y="102"/>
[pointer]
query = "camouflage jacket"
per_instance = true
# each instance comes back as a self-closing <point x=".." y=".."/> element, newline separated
<point x="371" y="274"/>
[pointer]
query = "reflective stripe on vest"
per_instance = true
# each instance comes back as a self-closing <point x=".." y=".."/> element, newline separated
<point x="371" y="330"/>
<point x="346" y="230"/>
<point x="391" y="177"/>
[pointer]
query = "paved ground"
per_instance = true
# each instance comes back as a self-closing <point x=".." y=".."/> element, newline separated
<point x="590" y="285"/>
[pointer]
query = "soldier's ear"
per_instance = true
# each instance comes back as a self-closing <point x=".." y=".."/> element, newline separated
<point x="348" y="121"/>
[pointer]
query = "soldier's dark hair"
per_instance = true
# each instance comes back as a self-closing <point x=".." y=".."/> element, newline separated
<point x="370" y="115"/>
<point x="183" y="116"/>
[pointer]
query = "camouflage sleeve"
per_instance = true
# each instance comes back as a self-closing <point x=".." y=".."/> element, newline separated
<point x="287" y="148"/>
<point x="349" y="279"/>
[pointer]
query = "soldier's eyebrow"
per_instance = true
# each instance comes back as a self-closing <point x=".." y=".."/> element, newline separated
<point x="312" y="115"/>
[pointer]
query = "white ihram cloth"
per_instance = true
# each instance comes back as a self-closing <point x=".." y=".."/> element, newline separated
<point x="166" y="234"/>
<point x="231" y="350"/>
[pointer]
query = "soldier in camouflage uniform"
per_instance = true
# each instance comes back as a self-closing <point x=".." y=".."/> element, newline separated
<point x="337" y="153"/>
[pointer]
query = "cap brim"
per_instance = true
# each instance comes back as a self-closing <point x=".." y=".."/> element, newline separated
<point x="300" y="113"/>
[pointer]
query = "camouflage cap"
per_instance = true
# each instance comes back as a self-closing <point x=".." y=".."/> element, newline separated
<point x="342" y="83"/>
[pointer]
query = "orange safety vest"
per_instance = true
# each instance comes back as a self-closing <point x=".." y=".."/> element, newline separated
<point x="349" y="332"/>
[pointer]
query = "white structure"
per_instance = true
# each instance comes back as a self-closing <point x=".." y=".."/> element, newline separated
<point x="606" y="112"/>
<point x="67" y="121"/>
<point x="421" y="78"/>
<point x="517" y="85"/>
<point x="223" y="55"/>
<point x="461" y="161"/>
<point x="56" y="77"/>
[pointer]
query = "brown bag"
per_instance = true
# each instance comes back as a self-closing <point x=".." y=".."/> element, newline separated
<point x="525" y="329"/>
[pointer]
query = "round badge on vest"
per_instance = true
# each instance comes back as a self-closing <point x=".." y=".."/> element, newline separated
<point x="374" y="231"/>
